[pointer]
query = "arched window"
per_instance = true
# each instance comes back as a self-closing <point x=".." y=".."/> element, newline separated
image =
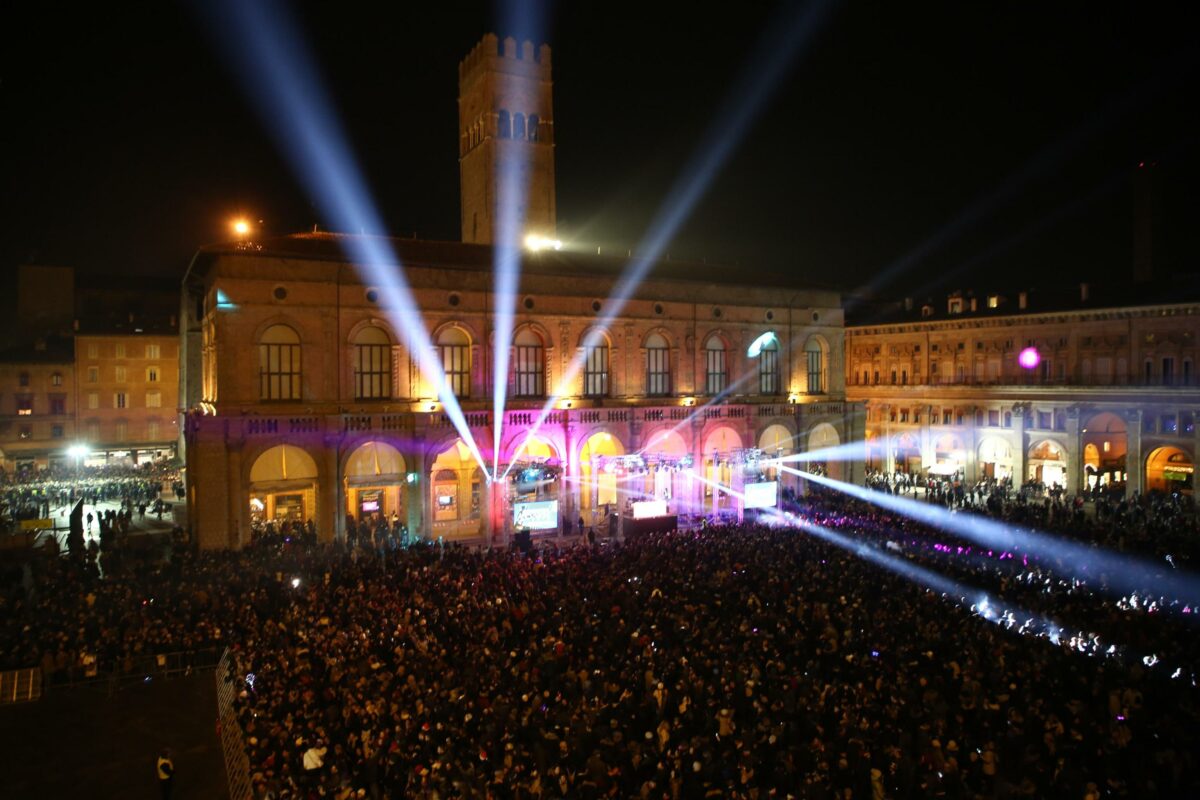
<point x="816" y="366"/>
<point x="454" y="352"/>
<point x="529" y="364"/>
<point x="595" y="367"/>
<point x="533" y="127"/>
<point x="716" y="374"/>
<point x="372" y="364"/>
<point x="518" y="126"/>
<point x="503" y="127"/>
<point x="279" y="364"/>
<point x="658" y="366"/>
<point x="768" y="368"/>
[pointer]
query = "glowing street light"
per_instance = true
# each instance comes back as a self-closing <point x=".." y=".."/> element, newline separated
<point x="535" y="243"/>
<point x="241" y="227"/>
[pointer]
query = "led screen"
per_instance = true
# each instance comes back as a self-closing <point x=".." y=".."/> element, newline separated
<point x="762" y="495"/>
<point x="650" y="508"/>
<point x="538" y="516"/>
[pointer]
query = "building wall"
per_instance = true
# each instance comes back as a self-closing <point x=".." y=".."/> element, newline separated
<point x="37" y="413"/>
<point x="127" y="391"/>
<point x="954" y="386"/>
<point x="326" y="304"/>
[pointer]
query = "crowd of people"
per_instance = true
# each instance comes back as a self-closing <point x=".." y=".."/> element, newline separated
<point x="40" y="494"/>
<point x="737" y="661"/>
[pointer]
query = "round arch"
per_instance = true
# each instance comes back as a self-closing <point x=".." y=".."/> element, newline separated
<point x="457" y="498"/>
<point x="282" y="485"/>
<point x="666" y="455"/>
<point x="373" y="478"/>
<point x="995" y="458"/>
<point x="1047" y="463"/>
<point x="822" y="437"/>
<point x="598" y="476"/>
<point x="592" y="330"/>
<point x="660" y="331"/>
<point x="1106" y="449"/>
<point x="906" y="453"/>
<point x="383" y="326"/>
<point x="1170" y="469"/>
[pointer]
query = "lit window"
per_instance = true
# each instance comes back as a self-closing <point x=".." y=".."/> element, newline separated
<point x="120" y="400"/>
<point x="153" y="399"/>
<point x="454" y="350"/>
<point x="151" y="374"/>
<point x="56" y="379"/>
<point x="372" y="364"/>
<point x="715" y="375"/>
<point x="768" y="368"/>
<point x="595" y="370"/>
<point x="279" y="364"/>
<point x="816" y="367"/>
<point x="153" y="351"/>
<point x="658" y="366"/>
<point x="529" y="365"/>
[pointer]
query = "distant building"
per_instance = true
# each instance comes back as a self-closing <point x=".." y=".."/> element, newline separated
<point x="37" y="405"/>
<point x="1110" y="400"/>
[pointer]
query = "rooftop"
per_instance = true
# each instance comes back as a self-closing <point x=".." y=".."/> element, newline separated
<point x="976" y="304"/>
<point x="324" y="246"/>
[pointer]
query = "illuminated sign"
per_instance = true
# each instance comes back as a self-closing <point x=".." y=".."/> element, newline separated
<point x="539" y="516"/>
<point x="761" y="495"/>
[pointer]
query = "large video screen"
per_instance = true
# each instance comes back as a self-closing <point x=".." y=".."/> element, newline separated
<point x="539" y="516"/>
<point x="649" y="508"/>
<point x="762" y="495"/>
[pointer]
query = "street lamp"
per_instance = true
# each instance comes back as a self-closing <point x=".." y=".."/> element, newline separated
<point x="241" y="227"/>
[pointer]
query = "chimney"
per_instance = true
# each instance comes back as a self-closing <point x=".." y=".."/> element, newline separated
<point x="1022" y="300"/>
<point x="1084" y="292"/>
<point x="908" y="303"/>
<point x="974" y="304"/>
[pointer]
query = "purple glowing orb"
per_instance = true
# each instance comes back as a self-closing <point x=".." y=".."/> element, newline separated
<point x="1029" y="358"/>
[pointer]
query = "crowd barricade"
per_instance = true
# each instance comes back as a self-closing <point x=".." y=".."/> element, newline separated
<point x="20" y="685"/>
<point x="233" y="748"/>
<point x="140" y="669"/>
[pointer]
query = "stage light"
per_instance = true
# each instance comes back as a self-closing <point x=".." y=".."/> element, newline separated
<point x="758" y="344"/>
<point x="1029" y="358"/>
<point x="535" y="243"/>
<point x="77" y="451"/>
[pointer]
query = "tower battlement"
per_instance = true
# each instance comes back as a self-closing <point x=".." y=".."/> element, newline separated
<point x="505" y="55"/>
<point x="505" y="132"/>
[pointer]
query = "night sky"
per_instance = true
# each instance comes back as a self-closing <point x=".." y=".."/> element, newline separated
<point x="128" y="142"/>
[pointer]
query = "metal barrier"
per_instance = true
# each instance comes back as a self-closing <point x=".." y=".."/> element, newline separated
<point x="233" y="747"/>
<point x="20" y="685"/>
<point x="139" y="669"/>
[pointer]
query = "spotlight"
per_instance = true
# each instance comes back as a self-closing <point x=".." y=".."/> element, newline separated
<point x="295" y="583"/>
<point x="1029" y="358"/>
<point x="535" y="243"/>
<point x="758" y="344"/>
<point x="241" y="227"/>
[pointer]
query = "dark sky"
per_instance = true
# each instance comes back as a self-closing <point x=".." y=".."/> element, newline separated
<point x="128" y="143"/>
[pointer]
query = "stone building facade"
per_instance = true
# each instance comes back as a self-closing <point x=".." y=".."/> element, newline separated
<point x="127" y="386"/>
<point x="307" y="402"/>
<point x="37" y="406"/>
<point x="1112" y="399"/>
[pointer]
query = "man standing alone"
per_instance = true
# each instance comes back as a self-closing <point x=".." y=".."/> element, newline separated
<point x="166" y="773"/>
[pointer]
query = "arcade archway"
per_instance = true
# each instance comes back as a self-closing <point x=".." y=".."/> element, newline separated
<point x="456" y="487"/>
<point x="824" y="437"/>
<point x="1169" y="469"/>
<point x="374" y="483"/>
<point x="995" y="458"/>
<point x="1105" y="448"/>
<point x="533" y="487"/>
<point x="776" y="441"/>
<point x="720" y="452"/>
<point x="599" y="472"/>
<point x="667" y="460"/>
<point x="1047" y="464"/>
<point x="906" y="453"/>
<point x="283" y="486"/>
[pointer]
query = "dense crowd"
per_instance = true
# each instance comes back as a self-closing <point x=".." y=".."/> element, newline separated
<point x="40" y="494"/>
<point x="734" y="662"/>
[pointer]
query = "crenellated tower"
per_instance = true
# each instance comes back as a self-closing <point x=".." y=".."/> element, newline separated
<point x="505" y="126"/>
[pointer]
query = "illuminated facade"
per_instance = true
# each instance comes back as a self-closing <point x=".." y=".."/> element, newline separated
<point x="127" y="386"/>
<point x="37" y="406"/>
<point x="1112" y="397"/>
<point x="304" y="401"/>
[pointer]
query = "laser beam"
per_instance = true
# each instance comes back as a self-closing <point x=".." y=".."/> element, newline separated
<point x="781" y="45"/>
<point x="266" y="51"/>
